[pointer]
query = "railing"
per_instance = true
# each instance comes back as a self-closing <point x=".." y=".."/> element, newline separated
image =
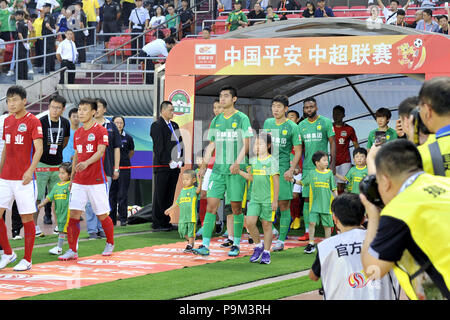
<point x="119" y="72"/>
<point x="16" y="61"/>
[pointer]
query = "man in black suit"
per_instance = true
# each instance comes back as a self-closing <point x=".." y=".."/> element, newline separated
<point x="167" y="150"/>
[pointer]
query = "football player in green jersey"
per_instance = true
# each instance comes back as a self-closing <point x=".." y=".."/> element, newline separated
<point x="316" y="132"/>
<point x="229" y="135"/>
<point x="285" y="136"/>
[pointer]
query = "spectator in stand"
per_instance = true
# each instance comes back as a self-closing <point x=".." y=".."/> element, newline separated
<point x="288" y="5"/>
<point x="39" y="43"/>
<point x="443" y="23"/>
<point x="48" y="28"/>
<point x="343" y="135"/>
<point x="118" y="195"/>
<point x="67" y="55"/>
<point x="428" y="3"/>
<point x="6" y="17"/>
<point x="92" y="10"/>
<point x="77" y="22"/>
<point x="224" y="5"/>
<point x="427" y="24"/>
<point x="40" y="4"/>
<point x="374" y="20"/>
<point x="390" y="15"/>
<point x="322" y="10"/>
<point x="186" y="18"/>
<point x="172" y="22"/>
<point x="417" y="17"/>
<point x="22" y="47"/>
<point x="310" y="9"/>
<point x="158" y="19"/>
<point x="400" y="22"/>
<point x="271" y="16"/>
<point x="127" y="7"/>
<point x="237" y="19"/>
<point x="61" y="25"/>
<point x="256" y="13"/>
<point x="139" y="19"/>
<point x="111" y="19"/>
<point x="206" y="33"/>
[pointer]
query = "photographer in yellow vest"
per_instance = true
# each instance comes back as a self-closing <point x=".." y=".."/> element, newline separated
<point x="403" y="235"/>
<point x="434" y="106"/>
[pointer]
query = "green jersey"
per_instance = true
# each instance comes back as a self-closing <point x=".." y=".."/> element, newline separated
<point x="7" y="22"/>
<point x="172" y="23"/>
<point x="234" y="17"/>
<point x="60" y="195"/>
<point x="390" y="135"/>
<point x="284" y="137"/>
<point x="228" y="134"/>
<point x="354" y="176"/>
<point x="263" y="171"/>
<point x="187" y="201"/>
<point x="315" y="137"/>
<point x="321" y="184"/>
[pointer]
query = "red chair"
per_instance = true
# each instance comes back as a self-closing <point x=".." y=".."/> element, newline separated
<point x="344" y="13"/>
<point x="438" y="12"/>
<point x="219" y="27"/>
<point x="360" y="11"/>
<point x="293" y="16"/>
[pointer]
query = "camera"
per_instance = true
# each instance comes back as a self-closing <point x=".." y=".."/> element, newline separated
<point x="419" y="126"/>
<point x="380" y="137"/>
<point x="369" y="187"/>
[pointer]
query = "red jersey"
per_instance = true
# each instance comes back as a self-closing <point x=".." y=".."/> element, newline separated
<point x="85" y="143"/>
<point x="343" y="136"/>
<point x="18" y="135"/>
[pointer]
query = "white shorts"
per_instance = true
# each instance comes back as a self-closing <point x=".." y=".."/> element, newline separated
<point x="205" y="181"/>
<point x="25" y="196"/>
<point x="96" y="194"/>
<point x="342" y="170"/>
<point x="297" y="188"/>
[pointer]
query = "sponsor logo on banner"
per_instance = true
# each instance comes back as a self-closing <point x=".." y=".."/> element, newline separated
<point x="181" y="102"/>
<point x="412" y="55"/>
<point x="205" y="56"/>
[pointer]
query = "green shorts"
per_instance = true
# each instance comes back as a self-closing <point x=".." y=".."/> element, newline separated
<point x="231" y="185"/>
<point x="261" y="210"/>
<point x="285" y="192"/>
<point x="305" y="191"/>
<point x="63" y="221"/>
<point x="326" y="218"/>
<point x="46" y="180"/>
<point x="186" y="229"/>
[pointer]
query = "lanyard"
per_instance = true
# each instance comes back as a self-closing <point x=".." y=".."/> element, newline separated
<point x="59" y="129"/>
<point x="443" y="132"/>
<point x="410" y="181"/>
<point x="178" y="142"/>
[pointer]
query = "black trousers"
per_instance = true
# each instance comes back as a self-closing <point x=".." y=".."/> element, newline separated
<point x="149" y="65"/>
<point x="126" y="11"/>
<point x="80" y="39"/>
<point x="39" y="51"/>
<point x="70" y="76"/>
<point x="165" y="185"/>
<point x="118" y="196"/>
<point x="91" y="36"/>
<point x="136" y="45"/>
<point x="50" y="59"/>
<point x="22" y="66"/>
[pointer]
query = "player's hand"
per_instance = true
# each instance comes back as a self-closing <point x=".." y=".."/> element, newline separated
<point x="40" y="206"/>
<point x="289" y="175"/>
<point x="372" y="211"/>
<point x="296" y="171"/>
<point x="115" y="175"/>
<point x="167" y="212"/>
<point x="274" y="205"/>
<point x="27" y="177"/>
<point x="234" y="168"/>
<point x="81" y="166"/>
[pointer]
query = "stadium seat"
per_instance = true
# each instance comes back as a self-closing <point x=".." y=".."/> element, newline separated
<point x="293" y="16"/>
<point x="361" y="11"/>
<point x="438" y="12"/>
<point x="219" y="27"/>
<point x="340" y="13"/>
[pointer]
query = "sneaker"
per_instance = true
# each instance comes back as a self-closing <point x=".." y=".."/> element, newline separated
<point x="199" y="232"/>
<point x="219" y="227"/>
<point x="69" y="255"/>
<point x="7" y="259"/>
<point x="10" y="73"/>
<point x="56" y="231"/>
<point x="202" y="250"/>
<point x="296" y="224"/>
<point x="265" y="258"/>
<point x="17" y="237"/>
<point x="23" y="265"/>
<point x="92" y="236"/>
<point x="40" y="234"/>
<point x="56" y="251"/>
<point x="188" y="249"/>
<point x="227" y="243"/>
<point x="310" y="248"/>
<point x="279" y="246"/>
<point x="30" y="71"/>
<point x="250" y="240"/>
<point x="304" y="237"/>
<point x="234" y="251"/>
<point x="108" y="249"/>
<point x="257" y="253"/>
<point x="101" y="235"/>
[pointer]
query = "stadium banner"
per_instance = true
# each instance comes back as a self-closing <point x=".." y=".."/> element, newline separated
<point x="319" y="55"/>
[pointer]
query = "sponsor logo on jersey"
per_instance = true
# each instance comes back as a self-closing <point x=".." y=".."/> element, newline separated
<point x="91" y="137"/>
<point x="39" y="130"/>
<point x="105" y="138"/>
<point x="284" y="132"/>
<point x="22" y="127"/>
<point x="8" y="138"/>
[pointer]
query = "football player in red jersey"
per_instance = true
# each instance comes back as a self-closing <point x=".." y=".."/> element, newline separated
<point x="22" y="133"/>
<point x="88" y="179"/>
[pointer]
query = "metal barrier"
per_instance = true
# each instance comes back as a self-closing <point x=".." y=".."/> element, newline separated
<point x="119" y="72"/>
<point x="16" y="61"/>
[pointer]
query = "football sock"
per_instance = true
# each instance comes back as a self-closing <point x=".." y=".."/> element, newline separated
<point x="306" y="215"/>
<point x="209" y="223"/>
<point x="61" y="238"/>
<point x="4" y="242"/>
<point x="237" y="229"/>
<point x="202" y="210"/>
<point x="285" y="223"/>
<point x="73" y="231"/>
<point x="295" y="208"/>
<point x="108" y="228"/>
<point x="30" y="234"/>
